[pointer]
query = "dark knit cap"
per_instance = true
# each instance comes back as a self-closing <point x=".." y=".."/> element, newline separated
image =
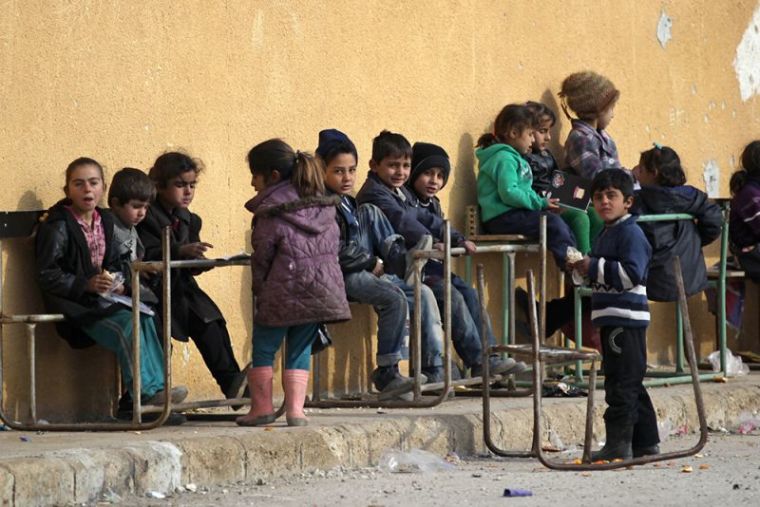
<point x="425" y="156"/>
<point x="333" y="142"/>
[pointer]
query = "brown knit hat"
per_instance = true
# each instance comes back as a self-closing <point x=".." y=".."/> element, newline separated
<point x="587" y="93"/>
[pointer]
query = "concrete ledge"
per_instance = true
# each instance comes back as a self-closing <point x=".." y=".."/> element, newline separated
<point x="134" y="463"/>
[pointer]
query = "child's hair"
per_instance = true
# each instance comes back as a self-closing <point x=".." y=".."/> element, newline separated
<point x="666" y="162"/>
<point x="512" y="116"/>
<point x="613" y="178"/>
<point x="77" y="163"/>
<point x="588" y="94"/>
<point x="128" y="184"/>
<point x="541" y="111"/>
<point x="302" y="169"/>
<point x="332" y="143"/>
<point x="750" y="166"/>
<point x="390" y="144"/>
<point x="170" y="165"/>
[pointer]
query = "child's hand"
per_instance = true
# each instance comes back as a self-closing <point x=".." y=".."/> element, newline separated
<point x="378" y="270"/>
<point x="469" y="247"/>
<point x="439" y="246"/>
<point x="99" y="283"/>
<point x="194" y="250"/>
<point x="582" y="265"/>
<point x="553" y="204"/>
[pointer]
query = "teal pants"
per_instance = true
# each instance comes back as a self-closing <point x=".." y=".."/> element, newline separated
<point x="267" y="341"/>
<point x="114" y="332"/>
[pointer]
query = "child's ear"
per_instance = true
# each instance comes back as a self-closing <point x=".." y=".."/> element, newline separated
<point x="628" y="201"/>
<point x="513" y="134"/>
<point x="275" y="177"/>
<point x="372" y="165"/>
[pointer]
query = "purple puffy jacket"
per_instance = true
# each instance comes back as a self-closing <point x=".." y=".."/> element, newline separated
<point x="295" y="270"/>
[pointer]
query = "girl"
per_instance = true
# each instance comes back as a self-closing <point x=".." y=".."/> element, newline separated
<point x="664" y="190"/>
<point x="74" y="252"/>
<point x="508" y="203"/>
<point x="194" y="314"/>
<point x="744" y="221"/>
<point x="297" y="281"/>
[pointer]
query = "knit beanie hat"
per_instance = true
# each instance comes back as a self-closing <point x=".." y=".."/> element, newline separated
<point x="587" y="93"/>
<point x="425" y="156"/>
<point x="330" y="139"/>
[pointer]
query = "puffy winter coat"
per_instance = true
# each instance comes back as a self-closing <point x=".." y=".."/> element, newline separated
<point x="681" y="238"/>
<point x="296" y="275"/>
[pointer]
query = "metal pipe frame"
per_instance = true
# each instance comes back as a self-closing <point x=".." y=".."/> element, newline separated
<point x="540" y="355"/>
<point x="703" y="429"/>
<point x="31" y="322"/>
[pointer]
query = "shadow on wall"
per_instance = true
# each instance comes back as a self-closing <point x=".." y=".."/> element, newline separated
<point x="71" y="384"/>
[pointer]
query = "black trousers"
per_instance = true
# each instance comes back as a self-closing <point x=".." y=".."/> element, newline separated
<point x="213" y="342"/>
<point x="624" y="352"/>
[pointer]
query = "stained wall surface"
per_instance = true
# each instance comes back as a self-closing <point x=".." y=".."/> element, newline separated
<point x="124" y="81"/>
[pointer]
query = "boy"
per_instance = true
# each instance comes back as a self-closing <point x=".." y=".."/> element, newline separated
<point x="368" y="244"/>
<point x="129" y="196"/>
<point x="194" y="313"/>
<point x="617" y="270"/>
<point x="390" y="167"/>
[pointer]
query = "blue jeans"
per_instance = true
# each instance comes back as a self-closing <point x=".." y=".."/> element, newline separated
<point x="267" y="341"/>
<point x="465" y="320"/>
<point x="376" y="233"/>
<point x="526" y="222"/>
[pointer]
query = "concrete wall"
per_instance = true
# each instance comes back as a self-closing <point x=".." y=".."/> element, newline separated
<point x="125" y="81"/>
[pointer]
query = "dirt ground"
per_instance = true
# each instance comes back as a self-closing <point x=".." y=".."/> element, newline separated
<point x="726" y="473"/>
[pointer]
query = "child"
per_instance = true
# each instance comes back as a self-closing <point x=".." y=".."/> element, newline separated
<point x="508" y="203"/>
<point x="744" y="221"/>
<point x="589" y="148"/>
<point x="617" y="270"/>
<point x="129" y="197"/>
<point x="664" y="190"/>
<point x="389" y="170"/>
<point x="543" y="164"/>
<point x="74" y="254"/>
<point x="194" y="313"/>
<point x="430" y="172"/>
<point x="297" y="281"/>
<point x="367" y="245"/>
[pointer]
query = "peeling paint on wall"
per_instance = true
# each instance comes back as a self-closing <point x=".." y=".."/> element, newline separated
<point x="747" y="61"/>
<point x="664" y="26"/>
<point x="711" y="176"/>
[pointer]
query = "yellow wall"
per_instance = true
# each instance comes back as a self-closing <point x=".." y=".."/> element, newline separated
<point x="124" y="81"/>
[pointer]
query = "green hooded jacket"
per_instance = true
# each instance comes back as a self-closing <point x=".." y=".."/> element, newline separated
<point x="504" y="182"/>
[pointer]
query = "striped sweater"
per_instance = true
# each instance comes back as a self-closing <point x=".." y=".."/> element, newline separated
<point x="618" y="274"/>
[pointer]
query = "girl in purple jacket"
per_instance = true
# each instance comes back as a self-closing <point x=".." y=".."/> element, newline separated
<point x="297" y="281"/>
<point x="744" y="221"/>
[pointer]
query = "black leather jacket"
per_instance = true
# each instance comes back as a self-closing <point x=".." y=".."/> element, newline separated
<point x="352" y="256"/>
<point x="63" y="267"/>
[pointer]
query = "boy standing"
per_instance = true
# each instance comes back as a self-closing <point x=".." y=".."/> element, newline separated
<point x="390" y="168"/>
<point x="370" y="256"/>
<point x="617" y="270"/>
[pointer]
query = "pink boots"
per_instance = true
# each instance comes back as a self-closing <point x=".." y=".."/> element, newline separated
<point x="260" y="387"/>
<point x="294" y="382"/>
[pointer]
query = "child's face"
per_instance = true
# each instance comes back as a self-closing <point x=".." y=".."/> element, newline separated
<point x="605" y="117"/>
<point x="521" y="140"/>
<point x="542" y="135"/>
<point x="393" y="171"/>
<point x="85" y="188"/>
<point x="429" y="182"/>
<point x="643" y="174"/>
<point x="610" y="204"/>
<point x="131" y="213"/>
<point x="179" y="191"/>
<point x="340" y="173"/>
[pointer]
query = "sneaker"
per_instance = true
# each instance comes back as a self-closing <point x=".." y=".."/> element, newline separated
<point x="425" y="243"/>
<point x="499" y="366"/>
<point x="174" y="419"/>
<point x="434" y="374"/>
<point x="652" y="450"/>
<point x="178" y="395"/>
<point x="387" y="379"/>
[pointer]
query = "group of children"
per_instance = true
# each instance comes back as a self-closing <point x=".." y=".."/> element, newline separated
<point x="316" y="247"/>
